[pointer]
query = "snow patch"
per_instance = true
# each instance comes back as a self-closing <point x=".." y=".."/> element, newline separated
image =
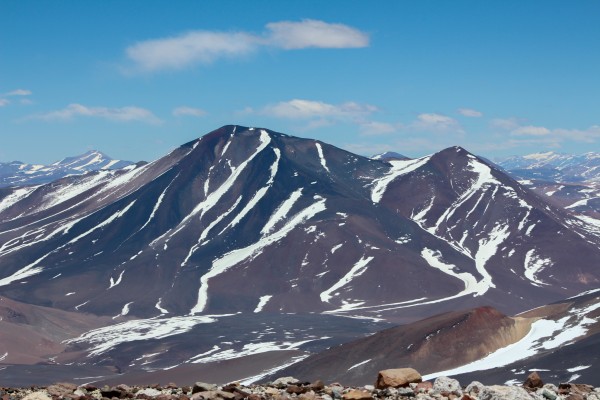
<point x="103" y="339"/>
<point x="487" y="249"/>
<point x="543" y="335"/>
<point x="262" y="302"/>
<point x="399" y="168"/>
<point x="534" y="264"/>
<point x="321" y="157"/>
<point x="157" y="204"/>
<point x="124" y="311"/>
<point x="336" y="247"/>
<point x="579" y="368"/>
<point x="472" y="286"/>
<point x="113" y="283"/>
<point x="255" y="378"/>
<point x="160" y="308"/>
<point x="357" y="270"/>
<point x="281" y="212"/>
<point x="359" y="364"/>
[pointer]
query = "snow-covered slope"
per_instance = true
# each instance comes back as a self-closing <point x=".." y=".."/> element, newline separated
<point x="20" y="174"/>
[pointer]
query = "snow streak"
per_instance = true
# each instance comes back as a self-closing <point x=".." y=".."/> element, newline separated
<point x="533" y="266"/>
<point x="399" y="168"/>
<point x="357" y="270"/>
<point x="213" y="198"/>
<point x="238" y="256"/>
<point x="281" y="212"/>
<point x="322" y="157"/>
<point x="262" y="303"/>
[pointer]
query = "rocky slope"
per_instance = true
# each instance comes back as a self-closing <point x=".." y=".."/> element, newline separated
<point x="397" y="384"/>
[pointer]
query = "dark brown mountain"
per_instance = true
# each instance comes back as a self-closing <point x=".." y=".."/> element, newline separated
<point x="249" y="230"/>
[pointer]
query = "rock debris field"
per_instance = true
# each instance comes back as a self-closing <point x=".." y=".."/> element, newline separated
<point x="402" y="383"/>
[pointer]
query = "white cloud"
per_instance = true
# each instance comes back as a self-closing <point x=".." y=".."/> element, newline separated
<point x="188" y="111"/>
<point x="541" y="135"/>
<point x="531" y="131"/>
<point x="291" y="35"/>
<point x="19" y="92"/>
<point x="203" y="47"/>
<point x="191" y="48"/>
<point x="436" y="122"/>
<point x="469" y="112"/>
<point x="505" y="123"/>
<point x="588" y="135"/>
<point x="4" y="102"/>
<point x="374" y="128"/>
<point x="307" y="109"/>
<point x="123" y="114"/>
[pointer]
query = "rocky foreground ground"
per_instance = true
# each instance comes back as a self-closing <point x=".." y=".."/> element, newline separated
<point x="393" y="384"/>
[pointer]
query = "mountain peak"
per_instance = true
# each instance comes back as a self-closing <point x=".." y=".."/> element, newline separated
<point x="20" y="174"/>
<point x="389" y="155"/>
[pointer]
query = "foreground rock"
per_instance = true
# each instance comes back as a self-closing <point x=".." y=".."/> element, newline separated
<point x="394" y="384"/>
<point x="395" y="378"/>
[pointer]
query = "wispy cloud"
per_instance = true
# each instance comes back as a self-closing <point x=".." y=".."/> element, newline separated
<point x="204" y="47"/>
<point x="290" y="35"/>
<point x="436" y="123"/>
<point x="531" y="131"/>
<point x="505" y="123"/>
<point x="469" y="112"/>
<point x="123" y="114"/>
<point x="179" y="52"/>
<point x="589" y="135"/>
<point x="541" y="135"/>
<point x="309" y="109"/>
<point x="19" y="92"/>
<point x="188" y="111"/>
<point x="374" y="128"/>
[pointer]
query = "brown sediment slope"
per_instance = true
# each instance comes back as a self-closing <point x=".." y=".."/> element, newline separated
<point x="32" y="334"/>
<point x="438" y="343"/>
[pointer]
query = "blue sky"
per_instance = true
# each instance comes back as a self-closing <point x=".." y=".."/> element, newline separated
<point x="137" y="78"/>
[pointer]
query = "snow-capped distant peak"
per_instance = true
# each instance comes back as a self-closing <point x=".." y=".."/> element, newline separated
<point x="389" y="155"/>
<point x="541" y="156"/>
<point x="20" y="174"/>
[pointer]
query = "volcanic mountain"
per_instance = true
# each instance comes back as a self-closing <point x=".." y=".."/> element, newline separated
<point x="282" y="238"/>
<point x="17" y="173"/>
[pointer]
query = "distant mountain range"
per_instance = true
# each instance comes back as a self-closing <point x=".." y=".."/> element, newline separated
<point x="555" y="167"/>
<point x="250" y="244"/>
<point x="17" y="173"/>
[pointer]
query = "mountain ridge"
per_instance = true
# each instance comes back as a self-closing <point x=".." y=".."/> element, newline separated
<point x="293" y="239"/>
<point x="16" y="173"/>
